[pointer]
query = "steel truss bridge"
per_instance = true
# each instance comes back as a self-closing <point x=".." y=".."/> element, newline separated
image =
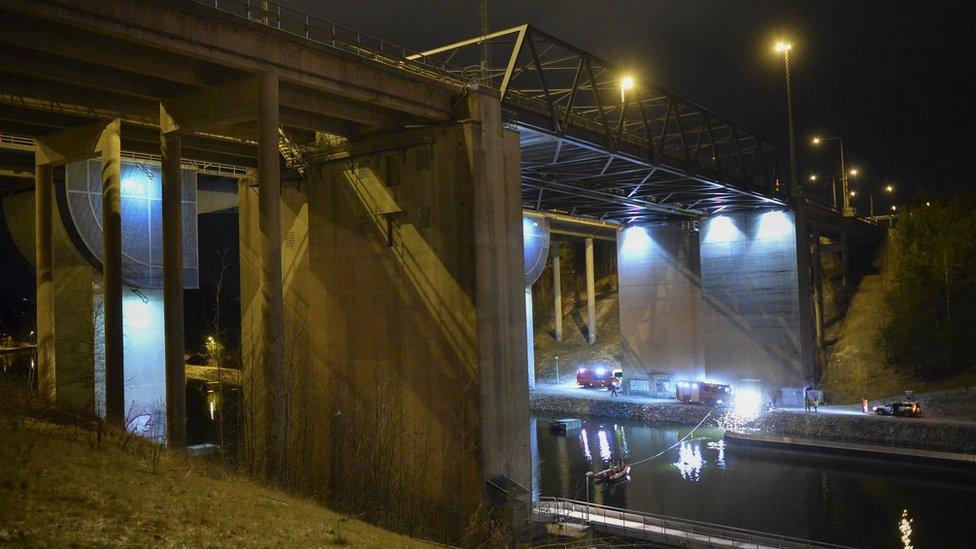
<point x="587" y="150"/>
<point x="593" y="149"/>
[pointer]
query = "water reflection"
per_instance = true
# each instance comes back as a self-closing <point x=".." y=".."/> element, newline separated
<point x="905" y="528"/>
<point x="605" y="454"/>
<point x="584" y="440"/>
<point x="720" y="446"/>
<point x="690" y="461"/>
<point x="621" y="440"/>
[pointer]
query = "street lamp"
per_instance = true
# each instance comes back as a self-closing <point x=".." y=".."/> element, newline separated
<point x="889" y="188"/>
<point x="626" y="83"/>
<point x="784" y="48"/>
<point x="589" y="476"/>
<point x="813" y="177"/>
<point x="848" y="210"/>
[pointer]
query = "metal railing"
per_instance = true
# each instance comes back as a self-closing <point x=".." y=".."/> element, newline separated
<point x="27" y="143"/>
<point x="663" y="529"/>
<point x="330" y="34"/>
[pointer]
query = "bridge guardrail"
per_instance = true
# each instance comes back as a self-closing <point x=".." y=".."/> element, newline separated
<point x="664" y="529"/>
<point x="328" y="33"/>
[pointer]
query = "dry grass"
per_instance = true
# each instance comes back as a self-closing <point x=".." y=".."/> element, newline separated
<point x="61" y="486"/>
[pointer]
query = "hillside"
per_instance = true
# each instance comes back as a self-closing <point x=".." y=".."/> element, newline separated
<point x="573" y="351"/>
<point x="60" y="486"/>
<point x="855" y="365"/>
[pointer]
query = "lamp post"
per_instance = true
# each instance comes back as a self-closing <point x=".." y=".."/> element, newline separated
<point x="848" y="210"/>
<point x="889" y="188"/>
<point x="589" y="475"/>
<point x="785" y="48"/>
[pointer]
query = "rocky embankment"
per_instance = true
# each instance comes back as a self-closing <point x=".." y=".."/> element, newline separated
<point x="675" y="414"/>
<point x="943" y="436"/>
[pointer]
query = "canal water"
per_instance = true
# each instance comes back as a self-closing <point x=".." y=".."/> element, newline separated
<point x="842" y="500"/>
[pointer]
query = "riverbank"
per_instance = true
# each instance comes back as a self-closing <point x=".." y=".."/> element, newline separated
<point x="922" y="434"/>
<point x="600" y="405"/>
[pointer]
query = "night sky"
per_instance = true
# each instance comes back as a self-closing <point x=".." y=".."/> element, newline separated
<point x="895" y="79"/>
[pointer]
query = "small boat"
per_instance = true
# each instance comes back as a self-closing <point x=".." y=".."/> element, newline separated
<point x="616" y="473"/>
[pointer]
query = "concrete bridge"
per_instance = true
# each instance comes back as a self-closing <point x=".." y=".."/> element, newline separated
<point x="381" y="196"/>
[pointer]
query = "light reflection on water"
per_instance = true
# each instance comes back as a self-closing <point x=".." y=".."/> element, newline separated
<point x="859" y="503"/>
<point x="905" y="528"/>
<point x="586" y="445"/>
<point x="605" y="454"/>
<point x="690" y="461"/>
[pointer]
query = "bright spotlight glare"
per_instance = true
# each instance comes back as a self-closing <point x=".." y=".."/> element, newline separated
<point x="747" y="403"/>
<point x="627" y="82"/>
<point x="783" y="47"/>
<point x="816" y="140"/>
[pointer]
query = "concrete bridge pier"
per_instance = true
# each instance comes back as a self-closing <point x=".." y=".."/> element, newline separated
<point x="590" y="293"/>
<point x="250" y="99"/>
<point x="557" y="291"/>
<point x="722" y="303"/>
<point x="71" y="386"/>
<point x="404" y="303"/>
<point x="173" y="284"/>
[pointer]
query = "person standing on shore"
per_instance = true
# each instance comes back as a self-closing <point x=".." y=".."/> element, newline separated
<point x="864" y="404"/>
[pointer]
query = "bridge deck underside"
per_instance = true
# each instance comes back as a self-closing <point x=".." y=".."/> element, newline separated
<point x="572" y="177"/>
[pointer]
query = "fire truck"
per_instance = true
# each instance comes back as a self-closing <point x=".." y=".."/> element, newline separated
<point x="703" y="392"/>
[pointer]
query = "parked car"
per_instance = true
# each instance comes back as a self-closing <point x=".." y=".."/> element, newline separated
<point x="598" y="376"/>
<point x="903" y="408"/>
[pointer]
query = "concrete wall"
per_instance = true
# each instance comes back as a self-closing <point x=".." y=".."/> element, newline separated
<point x="409" y="383"/>
<point x="720" y="304"/>
<point x="660" y="299"/>
<point x="749" y="286"/>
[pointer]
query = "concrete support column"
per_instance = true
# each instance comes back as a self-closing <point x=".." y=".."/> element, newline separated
<point x="557" y="291"/>
<point x="44" y="261"/>
<point x="173" y="290"/>
<point x="270" y="345"/>
<point x="818" y="292"/>
<point x="112" y="273"/>
<point x="590" y="294"/>
<point x="804" y="301"/>
<point x="529" y="337"/>
<point x="845" y="259"/>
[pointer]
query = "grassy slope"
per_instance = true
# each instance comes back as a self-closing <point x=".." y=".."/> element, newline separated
<point x="573" y="351"/>
<point x="57" y="487"/>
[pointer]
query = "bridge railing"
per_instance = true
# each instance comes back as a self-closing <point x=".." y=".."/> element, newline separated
<point x="665" y="529"/>
<point x="328" y="33"/>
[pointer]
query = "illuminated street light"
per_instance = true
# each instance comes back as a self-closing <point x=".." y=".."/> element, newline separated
<point x="847" y="211"/>
<point x="852" y="194"/>
<point x="889" y="189"/>
<point x="894" y="208"/>
<point x="853" y="171"/>
<point x="813" y="177"/>
<point x="928" y="203"/>
<point x="626" y="83"/>
<point x="784" y="48"/>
